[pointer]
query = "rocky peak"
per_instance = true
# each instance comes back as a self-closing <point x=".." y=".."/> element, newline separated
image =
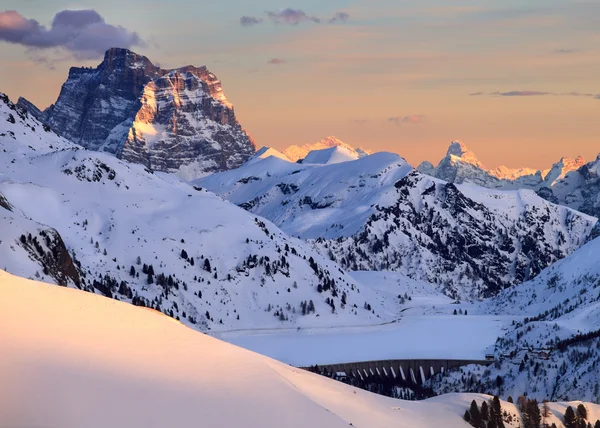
<point x="169" y="120"/>
<point x="458" y="151"/>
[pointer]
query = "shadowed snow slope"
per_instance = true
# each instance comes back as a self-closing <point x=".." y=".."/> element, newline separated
<point x="74" y="359"/>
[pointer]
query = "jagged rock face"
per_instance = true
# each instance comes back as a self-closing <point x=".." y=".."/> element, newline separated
<point x="436" y="232"/>
<point x="461" y="166"/>
<point x="168" y="120"/>
<point x="181" y="116"/>
<point x="578" y="189"/>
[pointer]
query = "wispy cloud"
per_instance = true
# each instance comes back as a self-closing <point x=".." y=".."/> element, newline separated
<point x="522" y="93"/>
<point x="249" y="21"/>
<point x="413" y="119"/>
<point x="359" y="121"/>
<point x="290" y="16"/>
<point x="84" y="33"/>
<point x="565" y="51"/>
<point x="339" y="17"/>
<point x="530" y="93"/>
<point x="277" y="61"/>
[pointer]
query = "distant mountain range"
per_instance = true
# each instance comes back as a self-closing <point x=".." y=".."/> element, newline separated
<point x="377" y="213"/>
<point x="570" y="182"/>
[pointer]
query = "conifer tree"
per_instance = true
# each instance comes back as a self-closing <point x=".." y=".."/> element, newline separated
<point x="581" y="412"/>
<point x="570" y="419"/>
<point x="475" y="415"/>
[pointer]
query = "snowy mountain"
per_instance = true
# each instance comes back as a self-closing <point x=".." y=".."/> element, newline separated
<point x="89" y="220"/>
<point x="578" y="189"/>
<point x="168" y="120"/>
<point x="553" y="351"/>
<point x="461" y="166"/>
<point x="375" y="213"/>
<point x="264" y="152"/>
<point x="296" y="153"/>
<point x="68" y="356"/>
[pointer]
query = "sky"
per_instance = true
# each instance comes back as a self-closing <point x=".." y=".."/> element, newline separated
<point x="518" y="81"/>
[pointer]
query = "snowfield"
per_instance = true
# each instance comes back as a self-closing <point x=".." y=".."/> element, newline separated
<point x="74" y="359"/>
<point x="419" y="337"/>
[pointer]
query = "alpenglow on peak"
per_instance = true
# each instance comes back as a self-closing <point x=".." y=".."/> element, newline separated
<point x="173" y="120"/>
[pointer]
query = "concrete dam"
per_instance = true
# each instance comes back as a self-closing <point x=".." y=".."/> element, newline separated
<point x="411" y="371"/>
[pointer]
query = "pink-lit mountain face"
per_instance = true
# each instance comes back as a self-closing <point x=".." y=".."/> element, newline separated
<point x="169" y="120"/>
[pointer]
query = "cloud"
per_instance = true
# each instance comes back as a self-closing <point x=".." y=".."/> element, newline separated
<point x="413" y="119"/>
<point x="249" y="21"/>
<point x="565" y="51"/>
<point x="474" y="94"/>
<point x="539" y="93"/>
<point x="522" y="93"/>
<point x="277" y="61"/>
<point x="84" y="33"/>
<point x="290" y="16"/>
<point x="340" y="17"/>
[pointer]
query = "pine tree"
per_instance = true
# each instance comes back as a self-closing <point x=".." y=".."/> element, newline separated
<point x="485" y="414"/>
<point x="510" y="399"/>
<point x="475" y="415"/>
<point x="138" y="261"/>
<point x="570" y="420"/>
<point x="581" y="412"/>
<point x="467" y="416"/>
<point x="150" y="279"/>
<point x="497" y="406"/>
<point x="207" y="265"/>
<point x="184" y="254"/>
<point x="132" y="271"/>
<point x="597" y="424"/>
<point x="534" y="415"/>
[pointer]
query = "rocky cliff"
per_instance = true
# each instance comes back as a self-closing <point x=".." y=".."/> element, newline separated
<point x="169" y="120"/>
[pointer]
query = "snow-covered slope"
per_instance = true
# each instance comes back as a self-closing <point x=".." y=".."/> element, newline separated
<point x="375" y="214"/>
<point x="545" y="354"/>
<point x="151" y="239"/>
<point x="168" y="120"/>
<point x="73" y="359"/>
<point x="265" y="152"/>
<point x="336" y="154"/>
<point x="296" y="153"/>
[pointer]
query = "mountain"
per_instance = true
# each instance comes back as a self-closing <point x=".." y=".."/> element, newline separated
<point x="461" y="166"/>
<point x="264" y="152"/>
<point x="296" y="153"/>
<point x="578" y="189"/>
<point x="335" y="154"/>
<point x="168" y="120"/>
<point x="89" y="220"/>
<point x="552" y="350"/>
<point x="376" y="213"/>
<point x="69" y="356"/>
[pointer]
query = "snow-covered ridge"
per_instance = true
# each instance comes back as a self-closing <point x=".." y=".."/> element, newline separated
<point x="153" y="240"/>
<point x="295" y="153"/>
<point x="336" y="203"/>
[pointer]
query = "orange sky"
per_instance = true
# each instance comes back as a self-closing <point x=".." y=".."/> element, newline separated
<point x="421" y="60"/>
